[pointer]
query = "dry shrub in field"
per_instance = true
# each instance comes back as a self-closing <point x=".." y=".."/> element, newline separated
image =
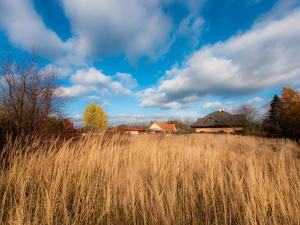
<point x="195" y="179"/>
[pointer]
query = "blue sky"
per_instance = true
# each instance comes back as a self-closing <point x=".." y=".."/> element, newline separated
<point x="148" y="60"/>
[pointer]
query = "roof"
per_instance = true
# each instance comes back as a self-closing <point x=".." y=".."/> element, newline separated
<point x="220" y="119"/>
<point x="132" y="129"/>
<point x="169" y="127"/>
<point x="126" y="128"/>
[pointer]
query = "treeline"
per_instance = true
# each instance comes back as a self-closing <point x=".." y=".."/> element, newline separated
<point x="281" y="120"/>
<point x="30" y="103"/>
<point x="283" y="117"/>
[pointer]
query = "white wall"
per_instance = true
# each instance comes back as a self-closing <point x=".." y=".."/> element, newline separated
<point x="155" y="127"/>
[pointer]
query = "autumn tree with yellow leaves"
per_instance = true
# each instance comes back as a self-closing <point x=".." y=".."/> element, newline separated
<point x="283" y="118"/>
<point x="95" y="118"/>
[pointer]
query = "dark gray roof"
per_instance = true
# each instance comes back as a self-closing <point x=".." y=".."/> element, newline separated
<point x="220" y="119"/>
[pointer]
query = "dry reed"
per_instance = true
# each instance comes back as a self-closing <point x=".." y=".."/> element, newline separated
<point x="195" y="179"/>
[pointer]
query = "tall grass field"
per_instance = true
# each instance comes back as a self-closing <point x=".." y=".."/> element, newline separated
<point x="151" y="179"/>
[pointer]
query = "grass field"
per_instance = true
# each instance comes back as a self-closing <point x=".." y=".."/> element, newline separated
<point x="195" y="179"/>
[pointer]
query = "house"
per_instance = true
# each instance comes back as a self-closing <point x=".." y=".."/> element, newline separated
<point x="162" y="127"/>
<point x="220" y="122"/>
<point x="133" y="130"/>
<point x="129" y="130"/>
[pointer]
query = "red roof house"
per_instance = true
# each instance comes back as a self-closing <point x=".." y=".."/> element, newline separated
<point x="162" y="127"/>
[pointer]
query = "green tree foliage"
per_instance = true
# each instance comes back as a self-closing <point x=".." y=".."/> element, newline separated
<point x="271" y="123"/>
<point x="95" y="118"/>
<point x="283" y="118"/>
<point x="274" y="110"/>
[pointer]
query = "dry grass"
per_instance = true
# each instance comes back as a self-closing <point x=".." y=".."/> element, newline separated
<point x="196" y="179"/>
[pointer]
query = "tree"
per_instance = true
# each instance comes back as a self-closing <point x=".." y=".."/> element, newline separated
<point x="274" y="111"/>
<point x="28" y="94"/>
<point x="181" y="126"/>
<point x="272" y="122"/>
<point x="250" y="112"/>
<point x="252" y="119"/>
<point x="283" y="117"/>
<point x="95" y="118"/>
<point x="290" y="113"/>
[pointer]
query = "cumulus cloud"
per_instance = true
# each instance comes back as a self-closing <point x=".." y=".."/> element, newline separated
<point x="215" y="105"/>
<point x="74" y="91"/>
<point x="264" y="57"/>
<point x="279" y="10"/>
<point x="59" y="71"/>
<point x="100" y="28"/>
<point x="95" y="83"/>
<point x="136" y="28"/>
<point x="25" y="28"/>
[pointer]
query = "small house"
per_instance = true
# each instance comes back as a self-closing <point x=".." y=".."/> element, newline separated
<point x="162" y="127"/>
<point x="220" y="122"/>
<point x="129" y="130"/>
<point x="132" y="130"/>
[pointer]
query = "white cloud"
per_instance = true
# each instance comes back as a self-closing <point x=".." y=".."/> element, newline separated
<point x="74" y="91"/>
<point x="280" y="9"/>
<point x="99" y="27"/>
<point x="98" y="99"/>
<point x="59" y="71"/>
<point x="264" y="57"/>
<point x="191" y="27"/>
<point x="77" y="119"/>
<point x="25" y="28"/>
<point x="126" y="79"/>
<point x="94" y="97"/>
<point x="105" y="27"/>
<point x="215" y="105"/>
<point x="255" y="100"/>
<point x="90" y="76"/>
<point x="96" y="84"/>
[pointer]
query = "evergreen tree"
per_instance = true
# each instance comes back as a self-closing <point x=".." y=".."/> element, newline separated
<point x="283" y="118"/>
<point x="271" y="124"/>
<point x="274" y="110"/>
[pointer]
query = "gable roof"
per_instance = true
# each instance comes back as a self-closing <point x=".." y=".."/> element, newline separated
<point x="220" y="119"/>
<point x="168" y="127"/>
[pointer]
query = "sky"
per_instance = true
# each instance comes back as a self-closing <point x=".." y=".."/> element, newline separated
<point x="144" y="60"/>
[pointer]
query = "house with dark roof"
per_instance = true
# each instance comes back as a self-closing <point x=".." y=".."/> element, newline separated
<point x="162" y="127"/>
<point x="220" y="122"/>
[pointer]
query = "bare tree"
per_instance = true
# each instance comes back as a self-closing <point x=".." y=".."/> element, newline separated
<point x="250" y="112"/>
<point x="252" y="122"/>
<point x="27" y="93"/>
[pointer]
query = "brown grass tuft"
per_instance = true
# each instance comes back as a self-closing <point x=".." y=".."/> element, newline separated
<point x="196" y="179"/>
